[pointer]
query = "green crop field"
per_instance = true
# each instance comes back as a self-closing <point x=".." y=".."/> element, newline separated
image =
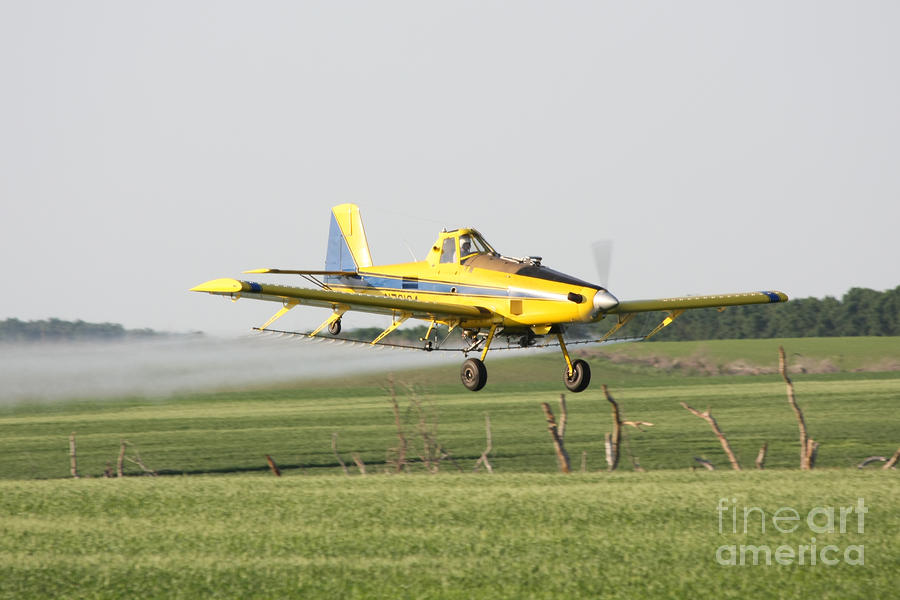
<point x="653" y="535"/>
<point x="218" y="523"/>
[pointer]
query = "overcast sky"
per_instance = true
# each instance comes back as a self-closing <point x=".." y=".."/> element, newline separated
<point x="146" y="147"/>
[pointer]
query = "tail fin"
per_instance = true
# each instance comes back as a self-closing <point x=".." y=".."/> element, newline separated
<point x="348" y="249"/>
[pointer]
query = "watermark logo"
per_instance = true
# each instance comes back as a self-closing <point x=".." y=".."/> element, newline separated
<point x="752" y="520"/>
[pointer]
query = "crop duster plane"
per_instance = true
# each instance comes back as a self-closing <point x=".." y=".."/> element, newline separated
<point x="462" y="284"/>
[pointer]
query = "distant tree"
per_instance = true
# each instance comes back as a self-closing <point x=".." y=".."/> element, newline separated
<point x="50" y="330"/>
<point x="860" y="318"/>
<point x="888" y="310"/>
<point x="860" y="312"/>
<point x="403" y="335"/>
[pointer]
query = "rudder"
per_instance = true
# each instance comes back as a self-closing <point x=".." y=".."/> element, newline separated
<point x="348" y="249"/>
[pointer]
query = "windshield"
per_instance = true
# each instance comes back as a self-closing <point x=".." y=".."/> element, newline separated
<point x="471" y="244"/>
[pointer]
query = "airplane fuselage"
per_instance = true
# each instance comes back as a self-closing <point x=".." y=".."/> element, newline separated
<point x="516" y="293"/>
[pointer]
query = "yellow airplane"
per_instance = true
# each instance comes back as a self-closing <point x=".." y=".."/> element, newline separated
<point x="463" y="284"/>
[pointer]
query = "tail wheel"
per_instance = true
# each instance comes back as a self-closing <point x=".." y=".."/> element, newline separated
<point x="473" y="374"/>
<point x="580" y="377"/>
<point x="334" y="328"/>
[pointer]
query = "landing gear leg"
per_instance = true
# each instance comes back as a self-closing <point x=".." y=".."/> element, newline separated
<point x="429" y="346"/>
<point x="578" y="373"/>
<point x="473" y="373"/>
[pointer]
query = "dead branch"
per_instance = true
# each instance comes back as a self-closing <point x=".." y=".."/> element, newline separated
<point x="761" y="457"/>
<point x="445" y="454"/>
<point x="336" y="455"/>
<point x="120" y="471"/>
<point x="612" y="443"/>
<point x="706" y="416"/>
<point x="871" y="459"/>
<point x="136" y="459"/>
<point x="402" y="448"/>
<point x="487" y="450"/>
<point x="432" y="452"/>
<point x="273" y="466"/>
<point x="73" y="460"/>
<point x="607" y="444"/>
<point x="634" y="461"/>
<point x="709" y="466"/>
<point x="889" y="463"/>
<point x="427" y="453"/>
<point x="359" y="463"/>
<point x="584" y="461"/>
<point x="617" y="439"/>
<point x="637" y="424"/>
<point x="805" y="447"/>
<point x="561" y="456"/>
<point x="812" y="450"/>
<point x="563" y="416"/>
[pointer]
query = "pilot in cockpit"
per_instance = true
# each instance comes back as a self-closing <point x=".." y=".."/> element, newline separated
<point x="465" y="246"/>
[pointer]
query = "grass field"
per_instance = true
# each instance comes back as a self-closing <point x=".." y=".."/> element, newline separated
<point x="629" y="535"/>
<point x="852" y="415"/>
<point x="524" y="531"/>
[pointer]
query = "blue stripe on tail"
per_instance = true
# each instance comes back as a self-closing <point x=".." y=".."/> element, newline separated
<point x="338" y="257"/>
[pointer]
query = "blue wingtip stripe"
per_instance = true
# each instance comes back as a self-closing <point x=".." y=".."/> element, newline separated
<point x="773" y="297"/>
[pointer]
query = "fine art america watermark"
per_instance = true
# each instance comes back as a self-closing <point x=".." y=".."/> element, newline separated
<point x="751" y="520"/>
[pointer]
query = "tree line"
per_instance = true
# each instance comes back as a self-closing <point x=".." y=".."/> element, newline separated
<point x="861" y="312"/>
<point x="53" y="330"/>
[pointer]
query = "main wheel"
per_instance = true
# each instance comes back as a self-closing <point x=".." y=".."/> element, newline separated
<point x="473" y="374"/>
<point x="580" y="377"/>
<point x="334" y="328"/>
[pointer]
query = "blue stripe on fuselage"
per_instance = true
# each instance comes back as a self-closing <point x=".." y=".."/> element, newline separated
<point x="381" y="282"/>
<point x="435" y="287"/>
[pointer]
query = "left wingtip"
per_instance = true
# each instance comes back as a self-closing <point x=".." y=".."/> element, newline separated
<point x="219" y="286"/>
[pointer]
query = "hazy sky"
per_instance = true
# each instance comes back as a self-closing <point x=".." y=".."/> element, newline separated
<point x="146" y="147"/>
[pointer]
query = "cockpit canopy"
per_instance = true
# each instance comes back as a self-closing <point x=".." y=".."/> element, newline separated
<point x="468" y="247"/>
<point x="461" y="244"/>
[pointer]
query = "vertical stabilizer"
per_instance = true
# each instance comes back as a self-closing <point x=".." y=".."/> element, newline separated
<point x="348" y="249"/>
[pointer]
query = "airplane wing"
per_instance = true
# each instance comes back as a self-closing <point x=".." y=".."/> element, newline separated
<point x="627" y="309"/>
<point x="689" y="302"/>
<point x="331" y="299"/>
<point x="301" y="272"/>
